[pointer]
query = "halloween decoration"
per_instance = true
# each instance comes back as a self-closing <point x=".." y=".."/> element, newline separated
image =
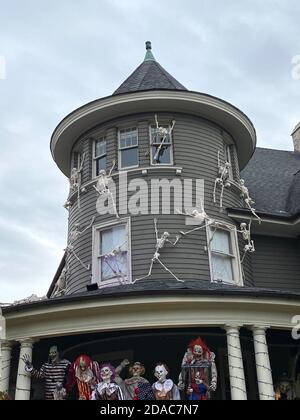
<point x="248" y="200"/>
<point x="75" y="183"/>
<point x="60" y="392"/>
<point x="70" y="250"/>
<point x="161" y="139"/>
<point x="132" y="385"/>
<point x="161" y="242"/>
<point x="103" y="188"/>
<point x="107" y="389"/>
<point x="285" y="389"/>
<point x="222" y="180"/>
<point x="198" y="376"/>
<point x="246" y="233"/>
<point x="84" y="375"/>
<point x="53" y="372"/>
<point x="164" y="389"/>
<point x="200" y="218"/>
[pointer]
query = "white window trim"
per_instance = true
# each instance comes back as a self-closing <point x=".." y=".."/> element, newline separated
<point x="98" y="157"/>
<point x="229" y="160"/>
<point x="95" y="267"/>
<point x="237" y="267"/>
<point x="151" y="149"/>
<point x="127" y="148"/>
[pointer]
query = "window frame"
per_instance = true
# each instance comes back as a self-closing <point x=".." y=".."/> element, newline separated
<point x="96" y="268"/>
<point x="96" y="158"/>
<point x="235" y="256"/>
<point x="228" y="159"/>
<point x="120" y="149"/>
<point x="151" y="147"/>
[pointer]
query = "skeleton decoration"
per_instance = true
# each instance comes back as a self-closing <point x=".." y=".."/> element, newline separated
<point x="246" y="233"/>
<point x="61" y="285"/>
<point x="248" y="200"/>
<point x="222" y="180"/>
<point x="103" y="189"/>
<point x="70" y="250"/>
<point x="200" y="217"/>
<point x="112" y="260"/>
<point x="54" y="372"/>
<point x="84" y="375"/>
<point x="198" y="376"/>
<point x="161" y="242"/>
<point x="30" y="299"/>
<point x="164" y="389"/>
<point x="75" y="183"/>
<point x="162" y="137"/>
<point x="107" y="389"/>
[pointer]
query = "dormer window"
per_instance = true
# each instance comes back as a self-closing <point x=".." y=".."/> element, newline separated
<point x="100" y="156"/>
<point x="128" y="148"/>
<point x="161" y="146"/>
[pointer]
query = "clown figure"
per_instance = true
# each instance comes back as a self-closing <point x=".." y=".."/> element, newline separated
<point x="164" y="389"/>
<point x="107" y="389"/>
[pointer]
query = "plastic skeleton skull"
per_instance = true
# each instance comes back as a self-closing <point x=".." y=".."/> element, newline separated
<point x="161" y="373"/>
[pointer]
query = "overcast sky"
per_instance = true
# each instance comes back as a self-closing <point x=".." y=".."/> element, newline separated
<point x="62" y="54"/>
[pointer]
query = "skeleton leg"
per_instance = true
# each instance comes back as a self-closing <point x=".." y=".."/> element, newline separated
<point x="148" y="275"/>
<point x="215" y="190"/>
<point x="114" y="204"/>
<point x="169" y="271"/>
<point x="222" y="195"/>
<point x="86" y="267"/>
<point x="253" y="212"/>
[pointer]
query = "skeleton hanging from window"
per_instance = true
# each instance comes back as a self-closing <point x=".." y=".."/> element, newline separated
<point x="223" y="180"/>
<point x="161" y="136"/>
<point x="247" y="199"/>
<point x="75" y="182"/>
<point x="246" y="233"/>
<point x="201" y="218"/>
<point x="103" y="189"/>
<point x="112" y="260"/>
<point x="161" y="242"/>
<point x="70" y="250"/>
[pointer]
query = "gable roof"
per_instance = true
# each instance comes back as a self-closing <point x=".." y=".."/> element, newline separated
<point x="273" y="179"/>
<point x="150" y="75"/>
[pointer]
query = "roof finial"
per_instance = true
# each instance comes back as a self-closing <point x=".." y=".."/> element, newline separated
<point x="149" y="54"/>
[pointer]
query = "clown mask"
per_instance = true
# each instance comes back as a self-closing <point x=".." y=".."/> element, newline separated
<point x="161" y="373"/>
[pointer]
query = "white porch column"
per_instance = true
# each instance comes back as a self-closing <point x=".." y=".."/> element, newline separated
<point x="236" y="365"/>
<point x="5" y="361"/>
<point x="23" y="386"/>
<point x="263" y="365"/>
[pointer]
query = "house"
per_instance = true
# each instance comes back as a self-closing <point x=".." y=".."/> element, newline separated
<point x="179" y="227"/>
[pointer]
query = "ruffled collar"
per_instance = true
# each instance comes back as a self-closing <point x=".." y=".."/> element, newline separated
<point x="109" y="388"/>
<point x="167" y="386"/>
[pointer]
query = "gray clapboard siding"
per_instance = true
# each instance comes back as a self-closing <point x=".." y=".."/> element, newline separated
<point x="276" y="263"/>
<point x="196" y="144"/>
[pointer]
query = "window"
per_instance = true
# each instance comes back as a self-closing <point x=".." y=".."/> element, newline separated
<point x="111" y="255"/>
<point x="128" y="148"/>
<point x="161" y="147"/>
<point x="224" y="255"/>
<point x="100" y="156"/>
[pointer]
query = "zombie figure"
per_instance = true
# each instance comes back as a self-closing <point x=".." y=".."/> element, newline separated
<point x="164" y="389"/>
<point x="198" y="371"/>
<point x="84" y="375"/>
<point x="107" y="389"/>
<point x="53" y="372"/>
